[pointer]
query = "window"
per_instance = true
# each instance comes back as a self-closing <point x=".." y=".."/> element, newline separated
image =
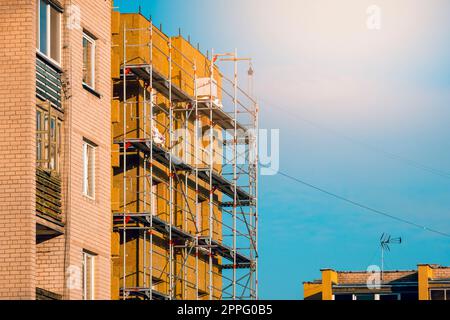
<point x="39" y="140"/>
<point x="48" y="37"/>
<point x="48" y="139"/>
<point x="343" y="297"/>
<point x="367" y="296"/>
<point x="89" y="169"/>
<point x="88" y="61"/>
<point x="364" y="296"/>
<point x="440" y="294"/>
<point x="388" y="296"/>
<point x="88" y="276"/>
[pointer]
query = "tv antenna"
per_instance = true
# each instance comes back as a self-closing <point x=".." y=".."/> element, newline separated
<point x="385" y="241"/>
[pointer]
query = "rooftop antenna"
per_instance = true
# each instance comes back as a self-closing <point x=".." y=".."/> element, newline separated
<point x="385" y="241"/>
<point x="250" y="73"/>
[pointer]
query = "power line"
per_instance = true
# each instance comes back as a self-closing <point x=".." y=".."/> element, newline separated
<point x="365" y="207"/>
<point x="391" y="155"/>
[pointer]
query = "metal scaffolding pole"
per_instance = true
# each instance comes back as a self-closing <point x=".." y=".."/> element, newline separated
<point x="124" y="160"/>
<point x="225" y="246"/>
<point x="171" y="173"/>
<point x="211" y="168"/>
<point x="152" y="196"/>
<point x="235" y="200"/>
<point x="196" y="165"/>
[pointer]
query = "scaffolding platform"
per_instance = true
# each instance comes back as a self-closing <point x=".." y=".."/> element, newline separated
<point x="162" y="156"/>
<point x="163" y="227"/>
<point x="162" y="84"/>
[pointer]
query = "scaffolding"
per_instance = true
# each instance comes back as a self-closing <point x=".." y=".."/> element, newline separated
<point x="186" y="216"/>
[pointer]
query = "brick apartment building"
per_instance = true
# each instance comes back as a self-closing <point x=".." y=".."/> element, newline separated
<point x="92" y="206"/>
<point x="55" y="94"/>
<point x="428" y="282"/>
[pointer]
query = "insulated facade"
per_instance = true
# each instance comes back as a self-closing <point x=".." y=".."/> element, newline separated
<point x="184" y="213"/>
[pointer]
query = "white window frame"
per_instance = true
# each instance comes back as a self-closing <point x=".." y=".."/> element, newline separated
<point x="92" y="41"/>
<point x="87" y="255"/>
<point x="38" y="44"/>
<point x="87" y="145"/>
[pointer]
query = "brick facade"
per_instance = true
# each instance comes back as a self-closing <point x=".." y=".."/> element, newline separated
<point x="88" y="221"/>
<point x="17" y="150"/>
<point x="24" y="264"/>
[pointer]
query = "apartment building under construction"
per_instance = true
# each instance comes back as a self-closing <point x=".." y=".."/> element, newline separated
<point x="184" y="169"/>
<point x="128" y="164"/>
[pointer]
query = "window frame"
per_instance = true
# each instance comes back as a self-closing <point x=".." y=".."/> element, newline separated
<point x="446" y="293"/>
<point x="48" y="142"/>
<point x="87" y="144"/>
<point x="87" y="255"/>
<point x="376" y="296"/>
<point x="93" y="42"/>
<point x="47" y="55"/>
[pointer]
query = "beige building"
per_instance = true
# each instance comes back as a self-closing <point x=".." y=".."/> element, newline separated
<point x="55" y="154"/>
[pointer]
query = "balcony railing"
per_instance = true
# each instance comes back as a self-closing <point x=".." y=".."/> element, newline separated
<point x="48" y="196"/>
<point x="48" y="81"/>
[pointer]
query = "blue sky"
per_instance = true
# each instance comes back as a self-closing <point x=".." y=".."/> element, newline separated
<point x="390" y="89"/>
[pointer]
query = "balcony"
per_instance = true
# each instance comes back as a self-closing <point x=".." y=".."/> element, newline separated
<point x="48" y="81"/>
<point x="49" y="222"/>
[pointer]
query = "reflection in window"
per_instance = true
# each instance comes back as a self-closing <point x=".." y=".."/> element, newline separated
<point x="48" y="140"/>
<point x="89" y="61"/>
<point x="48" y="37"/>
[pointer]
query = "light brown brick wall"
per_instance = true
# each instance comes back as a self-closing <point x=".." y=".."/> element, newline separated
<point x="388" y="276"/>
<point x="17" y="149"/>
<point x="88" y="116"/>
<point x="50" y="265"/>
<point x="441" y="273"/>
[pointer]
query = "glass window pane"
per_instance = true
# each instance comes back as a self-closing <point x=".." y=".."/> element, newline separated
<point x="58" y="146"/>
<point x="341" y="297"/>
<point x="365" y="297"/>
<point x="38" y="120"/>
<point x="88" y="170"/>
<point x="52" y="163"/>
<point x="437" y="294"/>
<point x="388" y="297"/>
<point x="409" y="296"/>
<point x="55" y="34"/>
<point x="43" y="27"/>
<point x="38" y="135"/>
<point x="88" y="276"/>
<point x="87" y="62"/>
<point x="53" y="129"/>
<point x="38" y="4"/>
<point x="91" y="168"/>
